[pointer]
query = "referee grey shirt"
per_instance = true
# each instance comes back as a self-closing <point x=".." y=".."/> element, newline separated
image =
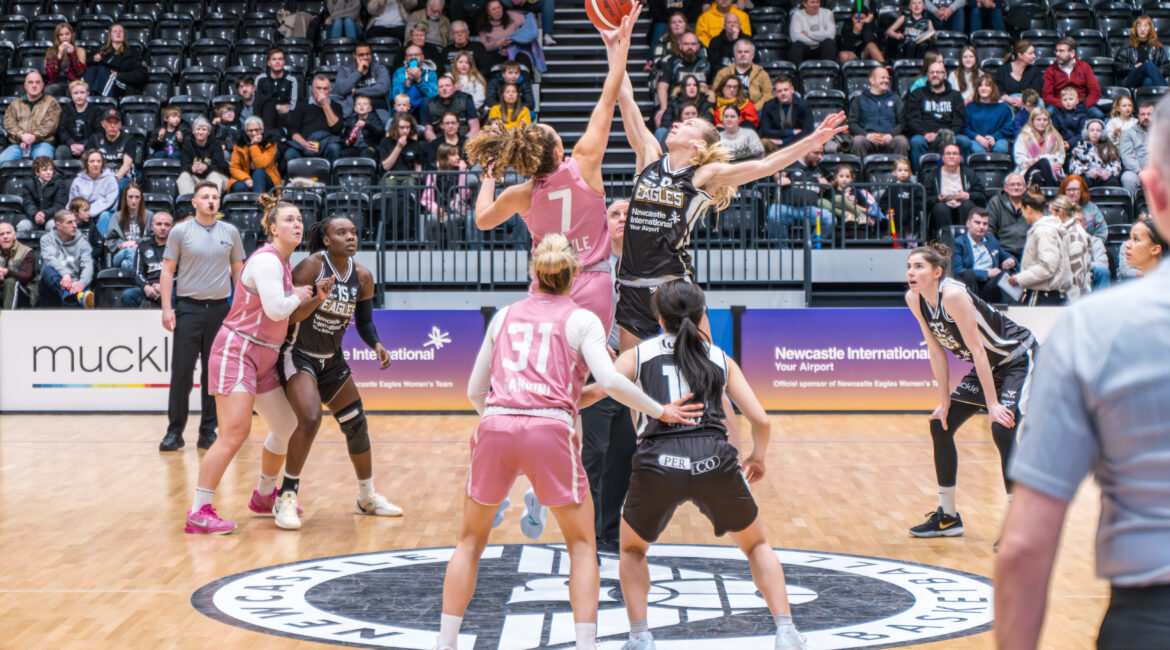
<point x="1100" y="402"/>
<point x="204" y="256"/>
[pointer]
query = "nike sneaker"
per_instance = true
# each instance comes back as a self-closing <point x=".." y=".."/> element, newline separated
<point x="262" y="505"/>
<point x="788" y="638"/>
<point x="500" y="512"/>
<point x="287" y="512"/>
<point x="376" y="505"/>
<point x="644" y="641"/>
<point x="939" y="524"/>
<point x="206" y="522"/>
<point x="532" y="523"/>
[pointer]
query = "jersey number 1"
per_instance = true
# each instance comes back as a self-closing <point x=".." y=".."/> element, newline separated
<point x="523" y="345"/>
<point x="566" y="198"/>
<point x="675" y="384"/>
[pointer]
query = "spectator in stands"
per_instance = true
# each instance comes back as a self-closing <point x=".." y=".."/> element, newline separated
<point x="928" y="59"/>
<point x="1077" y="190"/>
<point x="251" y="104"/>
<point x="1044" y="267"/>
<point x="687" y="92"/>
<point x="1144" y="58"/>
<point x="1145" y="248"/>
<point x="64" y="62"/>
<point x="875" y="118"/>
<point x="400" y="150"/>
<point x="710" y="22"/>
<point x="126" y="228"/>
<point x="413" y="80"/>
<point x="947" y="14"/>
<point x="431" y="52"/>
<point x="543" y="7"/>
<point x="692" y="61"/>
<point x="225" y="128"/>
<point x="979" y="259"/>
<point x="898" y="201"/>
<point x="785" y="118"/>
<point x="402" y="105"/>
<point x="341" y="18"/>
<point x="662" y="20"/>
<point x="468" y="79"/>
<point x="741" y="144"/>
<point x="116" y="69"/>
<point x="752" y="78"/>
<point x="363" y="130"/>
<point x="1029" y="101"/>
<point x="447" y="196"/>
<point x="448" y="135"/>
<point x="511" y="111"/>
<point x="510" y="73"/>
<point x="989" y="126"/>
<point x="78" y="121"/>
<point x="1080" y="247"/>
<point x="31" y="122"/>
<point x="1133" y="149"/>
<point x="276" y="86"/>
<point x="387" y="18"/>
<point x="812" y="32"/>
<point x="146" y="291"/>
<point x="934" y="108"/>
<point x="859" y="36"/>
<point x="952" y="191"/>
<point x="168" y="142"/>
<point x="120" y="150"/>
<point x="912" y="32"/>
<point x="365" y="77"/>
<point x="1121" y="117"/>
<point x="1100" y="275"/>
<point x="459" y="42"/>
<point x="41" y="197"/>
<point x="437" y="23"/>
<point x="496" y="26"/>
<point x="314" y="130"/>
<point x="1095" y="158"/>
<point x="1068" y="118"/>
<point x="450" y="100"/>
<point x="1007" y="219"/>
<point x="1068" y="70"/>
<point x="855" y="208"/>
<point x="986" y="15"/>
<point x="667" y="44"/>
<point x="79" y="206"/>
<point x="67" y="269"/>
<point x="18" y="265"/>
<point x="1039" y="151"/>
<point x="253" y="166"/>
<point x="98" y="185"/>
<point x="797" y="198"/>
<point x="721" y="49"/>
<point x="202" y="160"/>
<point x="1019" y="73"/>
<point x="730" y="92"/>
<point x="963" y="77"/>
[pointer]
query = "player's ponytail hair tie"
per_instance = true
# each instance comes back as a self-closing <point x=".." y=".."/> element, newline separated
<point x="554" y="264"/>
<point x="272" y="207"/>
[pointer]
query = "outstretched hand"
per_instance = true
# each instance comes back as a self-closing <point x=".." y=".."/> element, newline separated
<point x="622" y="35"/>
<point x="832" y="125"/>
<point x="679" y="412"/>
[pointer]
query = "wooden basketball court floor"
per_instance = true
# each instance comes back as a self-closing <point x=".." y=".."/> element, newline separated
<point x="93" y="553"/>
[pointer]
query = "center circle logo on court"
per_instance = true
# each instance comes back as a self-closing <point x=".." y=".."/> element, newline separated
<point x="700" y="597"/>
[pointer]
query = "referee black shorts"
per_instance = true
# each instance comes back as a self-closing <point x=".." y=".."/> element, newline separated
<point x="330" y="373"/>
<point x="670" y="470"/>
<point x="1011" y="384"/>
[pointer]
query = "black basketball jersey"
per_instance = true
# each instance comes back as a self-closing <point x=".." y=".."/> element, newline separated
<point x="662" y="212"/>
<point x="1002" y="338"/>
<point x="660" y="378"/>
<point x="321" y="332"/>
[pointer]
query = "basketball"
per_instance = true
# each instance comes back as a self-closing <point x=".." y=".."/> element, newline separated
<point x="607" y="14"/>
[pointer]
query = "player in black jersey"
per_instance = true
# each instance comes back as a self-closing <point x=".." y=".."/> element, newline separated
<point x="313" y="368"/>
<point x="693" y="462"/>
<point x="955" y="319"/>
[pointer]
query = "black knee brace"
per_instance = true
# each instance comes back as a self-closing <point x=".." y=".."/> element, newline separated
<point x="352" y="420"/>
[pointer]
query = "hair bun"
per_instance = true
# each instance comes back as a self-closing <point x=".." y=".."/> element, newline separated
<point x="940" y="248"/>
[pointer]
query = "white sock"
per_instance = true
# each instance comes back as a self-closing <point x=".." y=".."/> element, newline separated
<point x="638" y="627"/>
<point x="449" y="630"/>
<point x="782" y="619"/>
<point x="266" y="484"/>
<point x="365" y="487"/>
<point x="1009" y="497"/>
<point x="586" y="636"/>
<point x="203" y="497"/>
<point x="946" y="499"/>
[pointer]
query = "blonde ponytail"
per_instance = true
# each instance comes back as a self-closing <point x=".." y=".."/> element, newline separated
<point x="709" y="150"/>
<point x="554" y="264"/>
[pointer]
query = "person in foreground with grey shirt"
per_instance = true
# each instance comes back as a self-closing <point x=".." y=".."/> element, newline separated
<point x="204" y="256"/>
<point x="68" y="265"/>
<point x="1100" y="404"/>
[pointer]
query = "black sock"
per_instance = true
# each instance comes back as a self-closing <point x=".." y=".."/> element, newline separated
<point x="290" y="484"/>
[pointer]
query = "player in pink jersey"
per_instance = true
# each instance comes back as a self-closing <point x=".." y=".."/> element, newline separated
<point x="534" y="359"/>
<point x="564" y="196"/>
<point x="242" y="366"/>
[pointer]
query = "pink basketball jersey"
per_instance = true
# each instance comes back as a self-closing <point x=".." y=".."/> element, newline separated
<point x="563" y="202"/>
<point x="533" y="366"/>
<point x="247" y="314"/>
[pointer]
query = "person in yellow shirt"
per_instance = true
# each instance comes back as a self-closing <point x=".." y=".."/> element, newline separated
<point x="511" y="111"/>
<point x="710" y="22"/>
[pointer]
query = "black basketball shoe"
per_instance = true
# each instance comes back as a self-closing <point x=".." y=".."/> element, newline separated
<point x="939" y="524"/>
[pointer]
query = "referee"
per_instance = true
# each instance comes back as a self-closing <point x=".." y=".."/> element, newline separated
<point x="207" y="255"/>
<point x="1099" y="404"/>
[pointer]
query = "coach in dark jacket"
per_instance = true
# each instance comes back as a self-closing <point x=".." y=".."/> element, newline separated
<point x="931" y="109"/>
<point x="785" y="118"/>
<point x="979" y="260"/>
<point x="952" y="190"/>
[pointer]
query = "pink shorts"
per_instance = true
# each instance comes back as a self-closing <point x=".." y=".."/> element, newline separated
<point x="236" y="361"/>
<point x="592" y="291"/>
<point x="545" y="450"/>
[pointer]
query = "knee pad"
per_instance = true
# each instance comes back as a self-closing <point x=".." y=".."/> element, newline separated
<point x="352" y="420"/>
<point x="274" y="408"/>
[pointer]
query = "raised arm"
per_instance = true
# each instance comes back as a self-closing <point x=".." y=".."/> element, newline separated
<point x="491" y="211"/>
<point x="712" y="177"/>
<point x="641" y="140"/>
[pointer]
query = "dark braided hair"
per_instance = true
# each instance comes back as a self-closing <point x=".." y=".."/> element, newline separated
<point x="317" y="232"/>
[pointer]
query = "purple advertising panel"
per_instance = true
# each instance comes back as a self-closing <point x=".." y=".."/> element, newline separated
<point x="431" y="352"/>
<point x="840" y="360"/>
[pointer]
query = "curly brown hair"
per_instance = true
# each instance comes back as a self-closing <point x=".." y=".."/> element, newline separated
<point x="530" y="149"/>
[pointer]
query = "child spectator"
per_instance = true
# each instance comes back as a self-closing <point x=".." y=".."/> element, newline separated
<point x="912" y="34"/>
<point x="227" y="129"/>
<point x="963" y="78"/>
<point x="363" y="130"/>
<point x="1039" y="151"/>
<point x="168" y="142"/>
<point x="509" y="74"/>
<point x="446" y="197"/>
<point x="511" y="111"/>
<point x="1029" y="100"/>
<point x="1120" y="119"/>
<point x="469" y="80"/>
<point x="1069" y="118"/>
<point x="855" y="209"/>
<point x="41" y="197"/>
<point x="1095" y="158"/>
<point x="897" y="203"/>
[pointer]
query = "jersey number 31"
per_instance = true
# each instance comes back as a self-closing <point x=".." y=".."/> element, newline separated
<point x="521" y="334"/>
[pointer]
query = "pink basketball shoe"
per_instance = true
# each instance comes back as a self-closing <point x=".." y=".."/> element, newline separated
<point x="205" y="521"/>
<point x="264" y="505"/>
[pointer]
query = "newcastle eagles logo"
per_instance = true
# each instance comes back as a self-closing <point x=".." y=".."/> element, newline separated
<point x="700" y="597"/>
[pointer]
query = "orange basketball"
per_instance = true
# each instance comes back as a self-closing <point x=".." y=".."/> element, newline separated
<point x="607" y="14"/>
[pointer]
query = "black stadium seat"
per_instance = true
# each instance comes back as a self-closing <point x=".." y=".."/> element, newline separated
<point x="44" y="26"/>
<point x="164" y="53"/>
<point x="161" y="175"/>
<point x="93" y="27"/>
<point x="141" y="111"/>
<point x="824" y="103"/>
<point x="354" y="173"/>
<point x="177" y="27"/>
<point x="856" y="74"/>
<point x="1043" y="39"/>
<point x="991" y="168"/>
<point x="210" y="53"/>
<point x="13" y="28"/>
<point x="1115" y="203"/>
<point x="221" y="26"/>
<point x="314" y="169"/>
<point x="819" y="75"/>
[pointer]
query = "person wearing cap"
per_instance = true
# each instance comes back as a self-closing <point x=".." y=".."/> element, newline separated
<point x="31" y="122"/>
<point x="118" y="148"/>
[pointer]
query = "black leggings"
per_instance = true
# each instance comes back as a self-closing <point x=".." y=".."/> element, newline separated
<point x="946" y="456"/>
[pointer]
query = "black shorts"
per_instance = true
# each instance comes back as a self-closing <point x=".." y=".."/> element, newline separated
<point x="331" y="373"/>
<point x="1011" y="383"/>
<point x="635" y="311"/>
<point x="670" y="470"/>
